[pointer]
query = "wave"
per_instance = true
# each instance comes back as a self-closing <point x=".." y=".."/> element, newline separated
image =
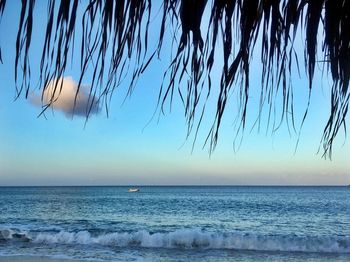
<point x="8" y="234"/>
<point x="190" y="239"/>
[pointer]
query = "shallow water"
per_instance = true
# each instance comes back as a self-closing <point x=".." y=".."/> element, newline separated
<point x="177" y="223"/>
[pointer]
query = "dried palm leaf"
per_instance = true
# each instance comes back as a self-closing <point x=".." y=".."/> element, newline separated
<point x="114" y="46"/>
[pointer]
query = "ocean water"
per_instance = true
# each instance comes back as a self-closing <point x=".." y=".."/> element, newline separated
<point x="176" y="223"/>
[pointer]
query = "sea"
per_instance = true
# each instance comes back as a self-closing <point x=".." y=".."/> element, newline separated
<point x="176" y="223"/>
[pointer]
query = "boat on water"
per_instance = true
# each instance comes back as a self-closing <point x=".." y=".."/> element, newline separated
<point x="133" y="190"/>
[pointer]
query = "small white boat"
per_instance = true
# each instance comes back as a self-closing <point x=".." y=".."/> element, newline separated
<point x="133" y="190"/>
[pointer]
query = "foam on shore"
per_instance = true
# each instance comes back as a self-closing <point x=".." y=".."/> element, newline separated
<point x="189" y="239"/>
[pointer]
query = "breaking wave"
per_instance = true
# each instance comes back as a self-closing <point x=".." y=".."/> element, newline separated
<point x="190" y="239"/>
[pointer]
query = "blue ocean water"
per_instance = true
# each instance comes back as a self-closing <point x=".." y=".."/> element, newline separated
<point x="177" y="223"/>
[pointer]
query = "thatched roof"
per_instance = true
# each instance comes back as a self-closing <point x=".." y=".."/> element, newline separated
<point x="115" y="37"/>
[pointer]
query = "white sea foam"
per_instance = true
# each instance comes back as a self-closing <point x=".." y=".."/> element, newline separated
<point x="8" y="234"/>
<point x="197" y="239"/>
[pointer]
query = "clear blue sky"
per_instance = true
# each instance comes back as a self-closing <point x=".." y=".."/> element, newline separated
<point x="57" y="150"/>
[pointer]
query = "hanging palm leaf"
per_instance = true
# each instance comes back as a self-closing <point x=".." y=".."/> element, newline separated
<point x="2" y="7"/>
<point x="114" y="43"/>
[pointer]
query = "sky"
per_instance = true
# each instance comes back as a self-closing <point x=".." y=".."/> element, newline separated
<point x="129" y="147"/>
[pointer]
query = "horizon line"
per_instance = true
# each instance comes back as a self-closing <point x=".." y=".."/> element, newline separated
<point x="186" y="185"/>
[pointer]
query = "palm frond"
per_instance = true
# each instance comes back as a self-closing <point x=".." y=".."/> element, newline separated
<point x="2" y="8"/>
<point x="115" y="44"/>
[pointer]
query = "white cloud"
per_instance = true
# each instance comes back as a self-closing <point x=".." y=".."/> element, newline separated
<point x="63" y="99"/>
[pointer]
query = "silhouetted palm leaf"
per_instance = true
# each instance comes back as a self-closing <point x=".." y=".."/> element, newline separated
<point x="114" y="44"/>
<point x="2" y="7"/>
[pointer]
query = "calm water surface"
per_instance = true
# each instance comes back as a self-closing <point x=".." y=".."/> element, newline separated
<point x="177" y="223"/>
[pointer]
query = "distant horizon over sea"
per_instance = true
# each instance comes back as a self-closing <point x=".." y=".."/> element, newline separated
<point x="184" y="185"/>
<point x="175" y="223"/>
